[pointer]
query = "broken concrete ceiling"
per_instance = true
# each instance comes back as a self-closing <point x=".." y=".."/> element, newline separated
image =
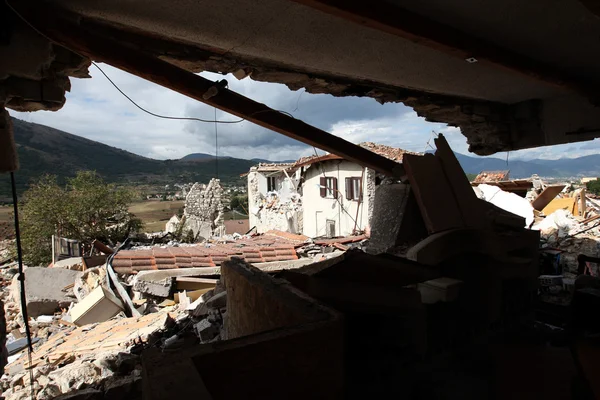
<point x="530" y="81"/>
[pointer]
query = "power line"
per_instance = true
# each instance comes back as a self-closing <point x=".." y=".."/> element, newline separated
<point x="216" y="146"/>
<point x="338" y="192"/>
<point x="124" y="94"/>
<point x="164" y="116"/>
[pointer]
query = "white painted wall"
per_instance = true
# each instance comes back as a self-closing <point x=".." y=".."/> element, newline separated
<point x="317" y="209"/>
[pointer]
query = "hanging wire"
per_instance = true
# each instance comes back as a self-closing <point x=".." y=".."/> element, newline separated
<point x="164" y="116"/>
<point x="21" y="279"/>
<point x="129" y="98"/>
<point x="337" y="195"/>
<point x="216" y="146"/>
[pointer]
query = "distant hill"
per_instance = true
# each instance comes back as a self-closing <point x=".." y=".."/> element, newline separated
<point x="43" y="150"/>
<point x="201" y="157"/>
<point x="564" y="167"/>
<point x="47" y="150"/>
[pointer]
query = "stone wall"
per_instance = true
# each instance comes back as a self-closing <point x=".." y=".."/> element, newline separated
<point x="204" y="210"/>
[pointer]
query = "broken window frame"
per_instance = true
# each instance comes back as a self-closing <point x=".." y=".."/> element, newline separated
<point x="354" y="188"/>
<point x="271" y="183"/>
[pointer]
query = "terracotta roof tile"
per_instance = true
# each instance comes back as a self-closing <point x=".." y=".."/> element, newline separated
<point x="273" y="246"/>
<point x="491" y="176"/>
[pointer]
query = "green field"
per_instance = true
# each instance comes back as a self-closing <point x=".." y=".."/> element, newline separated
<point x="155" y="214"/>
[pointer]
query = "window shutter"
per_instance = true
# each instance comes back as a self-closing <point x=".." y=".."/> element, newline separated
<point x="323" y="184"/>
<point x="348" y="188"/>
<point x="335" y="188"/>
<point x="360" y="190"/>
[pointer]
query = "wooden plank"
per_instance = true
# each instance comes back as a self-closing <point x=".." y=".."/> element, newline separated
<point x="191" y="283"/>
<point x="397" y="21"/>
<point x="582" y="203"/>
<point x="101" y="48"/>
<point x="433" y="193"/>
<point x="547" y="195"/>
<point x="102" y="247"/>
<point x="93" y="261"/>
<point x="470" y="207"/>
<point x="566" y="203"/>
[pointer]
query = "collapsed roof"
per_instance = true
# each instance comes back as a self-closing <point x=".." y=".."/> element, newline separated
<point x="510" y="75"/>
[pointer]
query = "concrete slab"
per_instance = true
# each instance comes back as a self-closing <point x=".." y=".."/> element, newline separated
<point x="388" y="211"/>
<point x="43" y="289"/>
<point x="73" y="263"/>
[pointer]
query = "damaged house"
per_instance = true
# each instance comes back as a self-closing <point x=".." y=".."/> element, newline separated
<point x="317" y="195"/>
<point x="203" y="212"/>
<point x="273" y="198"/>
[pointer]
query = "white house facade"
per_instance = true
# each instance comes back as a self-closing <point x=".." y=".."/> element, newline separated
<point x="318" y="196"/>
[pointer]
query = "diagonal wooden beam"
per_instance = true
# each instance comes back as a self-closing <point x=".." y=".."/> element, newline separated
<point x="397" y="21"/>
<point x="52" y="23"/>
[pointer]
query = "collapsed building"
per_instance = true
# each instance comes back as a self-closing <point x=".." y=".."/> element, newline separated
<point x="203" y="212"/>
<point x="443" y="310"/>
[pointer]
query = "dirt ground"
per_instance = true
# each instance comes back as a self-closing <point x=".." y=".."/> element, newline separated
<point x="155" y="214"/>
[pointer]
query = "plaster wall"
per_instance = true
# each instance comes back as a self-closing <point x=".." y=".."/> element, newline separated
<point x="317" y="210"/>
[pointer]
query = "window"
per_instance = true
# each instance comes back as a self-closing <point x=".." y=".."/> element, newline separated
<point x="271" y="183"/>
<point x="328" y="187"/>
<point x="353" y="188"/>
<point x="330" y="228"/>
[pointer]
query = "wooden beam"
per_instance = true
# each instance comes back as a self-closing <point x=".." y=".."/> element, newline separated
<point x="397" y="21"/>
<point x="70" y="35"/>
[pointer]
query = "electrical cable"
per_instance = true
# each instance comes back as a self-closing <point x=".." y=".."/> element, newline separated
<point x="216" y="146"/>
<point x="129" y="98"/>
<point x="337" y="194"/>
<point x="21" y="279"/>
<point x="164" y="116"/>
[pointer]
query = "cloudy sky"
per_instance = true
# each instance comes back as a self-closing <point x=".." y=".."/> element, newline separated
<point x="97" y="111"/>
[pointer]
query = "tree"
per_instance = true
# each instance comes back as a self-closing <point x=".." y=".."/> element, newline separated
<point x="239" y="203"/>
<point x="86" y="209"/>
<point x="593" y="186"/>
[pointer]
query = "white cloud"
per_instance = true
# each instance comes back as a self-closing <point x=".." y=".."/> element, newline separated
<point x="97" y="111"/>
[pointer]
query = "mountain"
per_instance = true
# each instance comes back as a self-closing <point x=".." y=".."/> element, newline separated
<point x="262" y="160"/>
<point x="201" y="157"/>
<point x="47" y="150"/>
<point x="564" y="167"/>
<point x="43" y="150"/>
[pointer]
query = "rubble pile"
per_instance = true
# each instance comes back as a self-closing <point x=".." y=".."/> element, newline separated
<point x="568" y="220"/>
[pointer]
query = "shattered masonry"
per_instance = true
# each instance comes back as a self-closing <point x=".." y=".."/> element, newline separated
<point x="204" y="210"/>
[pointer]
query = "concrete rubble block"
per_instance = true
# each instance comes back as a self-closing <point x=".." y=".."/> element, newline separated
<point x="75" y="376"/>
<point x="99" y="306"/>
<point x="217" y="301"/>
<point x="206" y="330"/>
<point x="160" y="286"/>
<point x="43" y="288"/>
<point x="72" y="263"/>
<point x="48" y="392"/>
<point x="388" y="211"/>
<point x="88" y="281"/>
